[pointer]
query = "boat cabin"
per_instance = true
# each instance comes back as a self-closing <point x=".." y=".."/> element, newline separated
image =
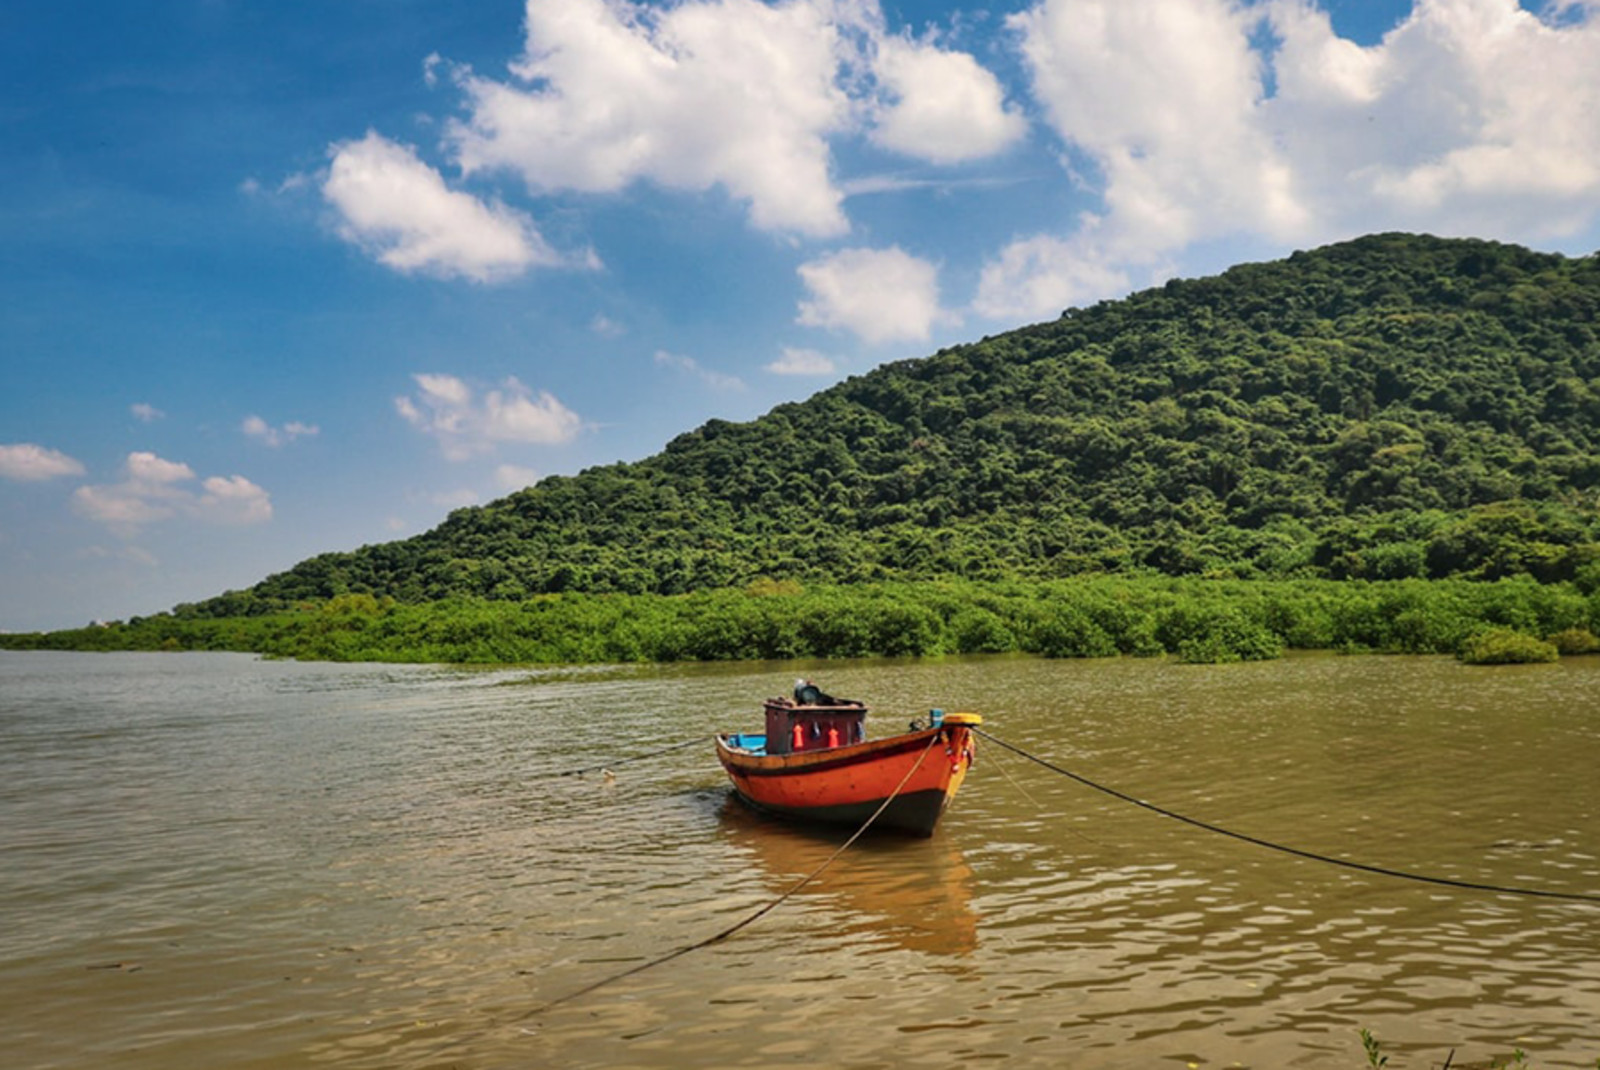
<point x="794" y="727"/>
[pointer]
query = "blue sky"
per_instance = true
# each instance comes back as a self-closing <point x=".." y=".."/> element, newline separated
<point x="281" y="278"/>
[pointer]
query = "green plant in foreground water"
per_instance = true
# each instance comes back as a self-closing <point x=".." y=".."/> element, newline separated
<point x="1376" y="1060"/>
<point x="1516" y="1061"/>
<point x="1375" y="1056"/>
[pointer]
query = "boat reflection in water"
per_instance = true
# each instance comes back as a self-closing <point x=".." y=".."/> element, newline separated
<point x="912" y="894"/>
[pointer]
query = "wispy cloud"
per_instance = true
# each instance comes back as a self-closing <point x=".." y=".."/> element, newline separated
<point x="459" y="498"/>
<point x="257" y="428"/>
<point x="146" y="413"/>
<point x="27" y="462"/>
<point x="689" y="366"/>
<point x="899" y="182"/>
<point x="514" y="476"/>
<point x="467" y="423"/>
<point x="138" y="555"/>
<point x="801" y="362"/>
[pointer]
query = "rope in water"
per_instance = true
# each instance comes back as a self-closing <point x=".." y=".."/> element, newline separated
<point x="1345" y="863"/>
<point x="634" y="758"/>
<point x="751" y="918"/>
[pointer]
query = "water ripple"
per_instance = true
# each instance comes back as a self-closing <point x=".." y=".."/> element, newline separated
<point x="219" y="861"/>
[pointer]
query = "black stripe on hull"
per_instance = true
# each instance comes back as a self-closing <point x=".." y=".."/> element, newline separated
<point x="915" y="813"/>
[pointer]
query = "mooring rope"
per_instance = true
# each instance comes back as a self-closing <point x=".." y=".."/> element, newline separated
<point x="635" y="758"/>
<point x="1383" y="871"/>
<point x="751" y="918"/>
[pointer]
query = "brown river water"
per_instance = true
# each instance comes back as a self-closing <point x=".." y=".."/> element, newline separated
<point x="212" y="861"/>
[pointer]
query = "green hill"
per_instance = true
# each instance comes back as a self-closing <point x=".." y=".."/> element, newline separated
<point x="1396" y="406"/>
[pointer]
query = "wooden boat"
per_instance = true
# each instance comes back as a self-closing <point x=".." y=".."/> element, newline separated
<point x="815" y="763"/>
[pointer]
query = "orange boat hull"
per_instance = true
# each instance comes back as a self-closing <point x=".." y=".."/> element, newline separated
<point x="917" y="773"/>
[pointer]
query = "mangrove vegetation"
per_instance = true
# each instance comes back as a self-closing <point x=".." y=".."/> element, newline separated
<point x="1194" y="620"/>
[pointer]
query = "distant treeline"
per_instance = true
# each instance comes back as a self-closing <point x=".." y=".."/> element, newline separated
<point x="1194" y="620"/>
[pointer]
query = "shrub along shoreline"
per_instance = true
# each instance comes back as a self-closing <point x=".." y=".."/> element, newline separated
<point x="1194" y="620"/>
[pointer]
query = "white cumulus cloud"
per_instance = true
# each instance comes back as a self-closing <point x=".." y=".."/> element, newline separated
<point x="945" y="107"/>
<point x="233" y="500"/>
<point x="1469" y="117"/>
<point x="749" y="98"/>
<point x="1165" y="96"/>
<point x="1042" y="275"/>
<point x="149" y="471"/>
<point x="400" y="210"/>
<point x="882" y="295"/>
<point x="30" y="463"/>
<point x="467" y="423"/>
<point x="731" y="93"/>
<point x="155" y="489"/>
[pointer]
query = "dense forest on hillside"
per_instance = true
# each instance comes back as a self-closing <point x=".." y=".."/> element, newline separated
<point x="1392" y="407"/>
